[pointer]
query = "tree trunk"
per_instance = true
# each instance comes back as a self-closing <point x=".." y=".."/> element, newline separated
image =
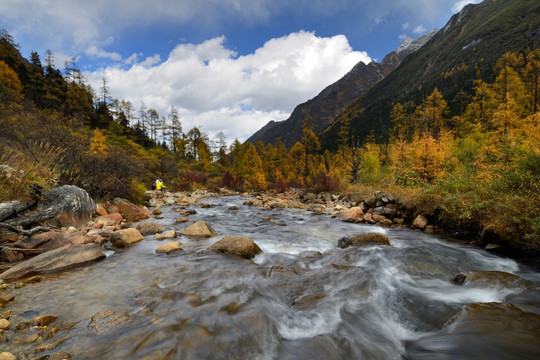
<point x="13" y="208"/>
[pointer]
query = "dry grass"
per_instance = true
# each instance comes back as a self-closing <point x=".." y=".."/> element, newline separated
<point x="35" y="163"/>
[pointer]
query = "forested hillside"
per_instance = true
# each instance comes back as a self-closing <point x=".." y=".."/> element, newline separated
<point x="465" y="50"/>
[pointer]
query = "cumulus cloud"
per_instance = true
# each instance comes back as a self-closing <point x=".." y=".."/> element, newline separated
<point x="420" y="29"/>
<point x="215" y="88"/>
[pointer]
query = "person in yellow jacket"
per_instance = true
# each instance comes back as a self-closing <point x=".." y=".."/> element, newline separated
<point x="159" y="185"/>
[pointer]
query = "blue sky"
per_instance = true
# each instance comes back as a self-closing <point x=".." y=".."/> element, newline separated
<point x="229" y="65"/>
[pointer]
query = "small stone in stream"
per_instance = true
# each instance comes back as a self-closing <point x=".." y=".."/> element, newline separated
<point x="363" y="239"/>
<point x="7" y="356"/>
<point x="4" y="324"/>
<point x="168" y="235"/>
<point x="61" y="355"/>
<point x="148" y="227"/>
<point x="104" y="321"/>
<point x="169" y="247"/>
<point x="6" y="298"/>
<point x="44" y="320"/>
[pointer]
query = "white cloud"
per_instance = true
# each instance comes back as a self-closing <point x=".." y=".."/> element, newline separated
<point x="218" y="90"/>
<point x="151" y="60"/>
<point x="405" y="26"/>
<point x="94" y="51"/>
<point x="459" y="5"/>
<point x="420" y="29"/>
<point x="378" y="20"/>
<point x="402" y="36"/>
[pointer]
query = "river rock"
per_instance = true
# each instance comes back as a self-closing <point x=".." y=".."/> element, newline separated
<point x="125" y="237"/>
<point x="237" y="245"/>
<point x="101" y="210"/>
<point x="4" y="324"/>
<point x="354" y="214"/>
<point x="489" y="279"/>
<point x="44" y="320"/>
<point x="129" y="211"/>
<point x="64" y="206"/>
<point x="181" y="220"/>
<point x="307" y="301"/>
<point x="389" y="211"/>
<point x="64" y="258"/>
<point x="114" y="219"/>
<point x="75" y="237"/>
<point x="105" y="321"/>
<point x="61" y="355"/>
<point x="168" y="235"/>
<point x="70" y="205"/>
<point x="419" y="222"/>
<point x="482" y="331"/>
<point x="7" y="356"/>
<point x="169" y="247"/>
<point x="45" y="241"/>
<point x="4" y="299"/>
<point x="363" y="239"/>
<point x="379" y="218"/>
<point x="200" y="228"/>
<point x="148" y="228"/>
<point x="8" y="255"/>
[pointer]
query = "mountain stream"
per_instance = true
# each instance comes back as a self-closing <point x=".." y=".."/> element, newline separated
<point x="302" y="298"/>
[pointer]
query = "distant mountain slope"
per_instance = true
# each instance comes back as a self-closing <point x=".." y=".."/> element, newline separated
<point x="471" y="41"/>
<point x="328" y="104"/>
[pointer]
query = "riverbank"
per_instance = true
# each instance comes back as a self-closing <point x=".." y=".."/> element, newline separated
<point x="421" y="211"/>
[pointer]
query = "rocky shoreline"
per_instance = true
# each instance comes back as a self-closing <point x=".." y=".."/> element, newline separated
<point x="25" y="259"/>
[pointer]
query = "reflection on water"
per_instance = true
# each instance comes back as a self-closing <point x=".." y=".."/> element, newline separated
<point x="302" y="298"/>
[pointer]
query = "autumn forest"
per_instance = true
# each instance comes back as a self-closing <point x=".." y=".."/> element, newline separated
<point x="474" y="168"/>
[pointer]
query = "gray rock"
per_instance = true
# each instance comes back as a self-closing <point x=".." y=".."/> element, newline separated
<point x="149" y="228"/>
<point x="64" y="258"/>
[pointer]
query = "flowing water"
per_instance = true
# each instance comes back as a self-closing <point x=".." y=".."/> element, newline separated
<point x="302" y="298"/>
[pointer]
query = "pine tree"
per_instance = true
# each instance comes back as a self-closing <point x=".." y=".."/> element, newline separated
<point x="175" y="127"/>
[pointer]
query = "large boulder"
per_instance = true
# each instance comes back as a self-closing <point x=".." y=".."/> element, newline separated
<point x="125" y="237"/>
<point x="200" y="228"/>
<point x="71" y="205"/>
<point x="129" y="211"/>
<point x="363" y="239"/>
<point x="64" y="258"/>
<point x="63" y="206"/>
<point x="236" y="245"/>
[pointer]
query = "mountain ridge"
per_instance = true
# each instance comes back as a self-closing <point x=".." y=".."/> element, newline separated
<point x="324" y="107"/>
<point x="465" y="49"/>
